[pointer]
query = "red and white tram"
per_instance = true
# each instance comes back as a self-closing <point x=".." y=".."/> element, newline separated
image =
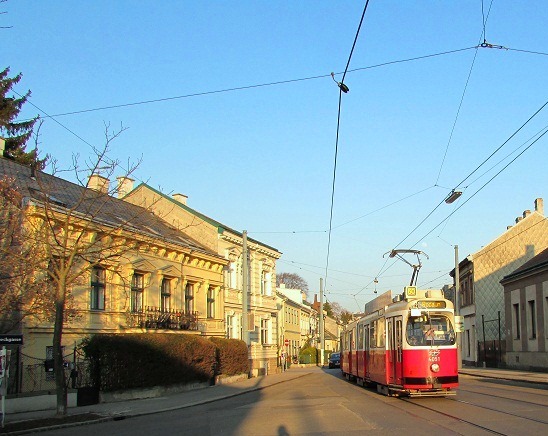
<point x="407" y="347"/>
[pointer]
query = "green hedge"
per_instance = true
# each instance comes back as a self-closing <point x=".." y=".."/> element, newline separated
<point x="308" y="355"/>
<point x="127" y="361"/>
<point x="232" y="356"/>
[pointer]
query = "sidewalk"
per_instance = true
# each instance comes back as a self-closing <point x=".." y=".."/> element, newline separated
<point x="506" y="374"/>
<point x="132" y="408"/>
<point x="126" y="409"/>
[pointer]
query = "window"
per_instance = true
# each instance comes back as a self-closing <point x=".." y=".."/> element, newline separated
<point x="189" y="298"/>
<point x="98" y="285"/>
<point x="211" y="303"/>
<point x="515" y="321"/>
<point x="165" y="295"/>
<point x="265" y="336"/>
<point x="380" y="333"/>
<point x="230" y="326"/>
<point x="430" y="329"/>
<point x="233" y="277"/>
<point x="467" y="291"/>
<point x="532" y="320"/>
<point x="263" y="283"/>
<point x="137" y="288"/>
<point x="372" y="343"/>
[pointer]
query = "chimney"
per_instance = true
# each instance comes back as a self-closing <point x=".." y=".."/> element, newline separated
<point x="526" y="213"/>
<point x="98" y="183"/>
<point x="125" y="186"/>
<point x="181" y="198"/>
<point x="539" y="206"/>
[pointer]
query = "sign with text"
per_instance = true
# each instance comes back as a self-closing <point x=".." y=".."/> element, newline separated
<point x="11" y="339"/>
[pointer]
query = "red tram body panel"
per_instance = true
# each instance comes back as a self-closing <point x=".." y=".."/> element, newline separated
<point x="407" y="347"/>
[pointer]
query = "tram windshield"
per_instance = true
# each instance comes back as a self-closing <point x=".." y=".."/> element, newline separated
<point x="430" y="329"/>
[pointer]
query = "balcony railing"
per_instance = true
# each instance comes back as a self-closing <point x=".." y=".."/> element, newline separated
<point x="156" y="318"/>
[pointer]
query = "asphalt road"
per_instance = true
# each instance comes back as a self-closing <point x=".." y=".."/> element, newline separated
<point x="322" y="403"/>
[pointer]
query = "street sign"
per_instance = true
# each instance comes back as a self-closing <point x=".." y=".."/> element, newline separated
<point x="11" y="339"/>
<point x="286" y="342"/>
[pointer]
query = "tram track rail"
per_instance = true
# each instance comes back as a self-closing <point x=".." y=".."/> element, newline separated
<point x="422" y="405"/>
<point x="533" y="403"/>
<point x="448" y="415"/>
<point x="540" y="421"/>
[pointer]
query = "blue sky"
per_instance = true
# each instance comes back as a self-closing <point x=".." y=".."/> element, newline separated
<point x="261" y="159"/>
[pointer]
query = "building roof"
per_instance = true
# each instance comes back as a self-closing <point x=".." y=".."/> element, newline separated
<point x="221" y="228"/>
<point x="97" y="207"/>
<point x="536" y="264"/>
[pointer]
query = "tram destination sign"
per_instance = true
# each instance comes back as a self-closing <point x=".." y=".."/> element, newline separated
<point x="11" y="339"/>
<point x="431" y="305"/>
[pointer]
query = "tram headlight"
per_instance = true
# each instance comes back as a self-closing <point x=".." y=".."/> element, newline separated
<point x="435" y="367"/>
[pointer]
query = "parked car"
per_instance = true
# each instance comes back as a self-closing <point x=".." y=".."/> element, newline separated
<point x="335" y="360"/>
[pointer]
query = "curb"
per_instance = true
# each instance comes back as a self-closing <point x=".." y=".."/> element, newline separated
<point x="502" y="377"/>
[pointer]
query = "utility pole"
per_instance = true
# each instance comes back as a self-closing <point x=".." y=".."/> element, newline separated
<point x="322" y="338"/>
<point x="457" y="311"/>
<point x="245" y="286"/>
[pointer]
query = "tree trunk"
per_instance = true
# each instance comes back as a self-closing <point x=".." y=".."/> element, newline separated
<point x="60" y="379"/>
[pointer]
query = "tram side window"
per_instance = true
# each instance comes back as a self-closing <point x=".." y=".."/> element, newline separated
<point x="372" y="341"/>
<point x="360" y="337"/>
<point x="380" y="333"/>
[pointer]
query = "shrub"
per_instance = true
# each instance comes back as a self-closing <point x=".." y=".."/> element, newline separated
<point x="125" y="361"/>
<point x="232" y="356"/>
<point x="308" y="355"/>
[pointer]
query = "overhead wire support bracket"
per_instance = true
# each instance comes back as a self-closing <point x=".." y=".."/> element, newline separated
<point x="341" y="85"/>
<point x="485" y="44"/>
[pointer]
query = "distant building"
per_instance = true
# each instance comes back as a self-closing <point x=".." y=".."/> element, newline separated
<point x="297" y="320"/>
<point x="481" y="295"/>
<point x="526" y="310"/>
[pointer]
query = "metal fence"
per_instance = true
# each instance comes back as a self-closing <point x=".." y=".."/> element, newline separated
<point x="32" y="375"/>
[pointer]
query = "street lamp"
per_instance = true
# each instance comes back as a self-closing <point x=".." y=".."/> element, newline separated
<point x="453" y="195"/>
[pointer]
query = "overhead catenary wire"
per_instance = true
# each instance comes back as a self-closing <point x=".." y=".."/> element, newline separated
<point x="464" y="91"/>
<point x="342" y="88"/>
<point x="253" y="86"/>
<point x="539" y="136"/>
<point x="483" y="186"/>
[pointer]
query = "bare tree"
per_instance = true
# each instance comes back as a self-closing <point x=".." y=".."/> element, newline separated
<point x="74" y="230"/>
<point x="292" y="281"/>
<point x="20" y="287"/>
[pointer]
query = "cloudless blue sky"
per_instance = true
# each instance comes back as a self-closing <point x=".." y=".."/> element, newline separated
<point x="261" y="159"/>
